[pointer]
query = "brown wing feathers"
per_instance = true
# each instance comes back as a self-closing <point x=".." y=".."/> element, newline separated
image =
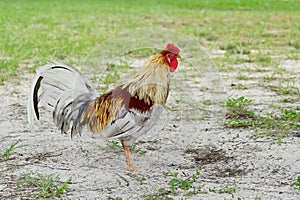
<point x="104" y="109"/>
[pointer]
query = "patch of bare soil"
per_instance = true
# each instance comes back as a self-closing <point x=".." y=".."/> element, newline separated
<point x="234" y="162"/>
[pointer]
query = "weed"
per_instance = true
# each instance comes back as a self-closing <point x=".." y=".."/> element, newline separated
<point x="185" y="184"/>
<point x="296" y="183"/>
<point x="286" y="100"/>
<point x="257" y="197"/>
<point x="295" y="44"/>
<point x="290" y="115"/>
<point x="135" y="148"/>
<point x="238" y="115"/>
<point x="111" y="77"/>
<point x="123" y="65"/>
<point x="235" y="48"/>
<point x="263" y="60"/>
<point x="238" y="108"/>
<point x="36" y="185"/>
<point x="238" y="123"/>
<point x="227" y="189"/>
<point x="207" y="102"/>
<point x="177" y="184"/>
<point x="242" y="77"/>
<point x="8" y="152"/>
<point x="7" y="68"/>
<point x="114" y="198"/>
<point x="269" y="78"/>
<point x="288" y="87"/>
<point x="188" y="187"/>
<point x="114" y="146"/>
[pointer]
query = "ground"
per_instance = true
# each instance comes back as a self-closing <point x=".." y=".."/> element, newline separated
<point x="231" y="126"/>
<point x="233" y="162"/>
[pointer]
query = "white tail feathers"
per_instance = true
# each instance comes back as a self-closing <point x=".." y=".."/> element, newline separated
<point x="61" y="88"/>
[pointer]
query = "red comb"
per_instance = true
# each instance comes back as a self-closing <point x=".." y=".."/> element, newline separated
<point x="172" y="48"/>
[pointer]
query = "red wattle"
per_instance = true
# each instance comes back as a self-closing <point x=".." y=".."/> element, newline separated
<point x="173" y="65"/>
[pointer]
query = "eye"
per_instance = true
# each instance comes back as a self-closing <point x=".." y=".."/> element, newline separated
<point x="168" y="56"/>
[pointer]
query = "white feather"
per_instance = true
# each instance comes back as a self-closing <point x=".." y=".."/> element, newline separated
<point x="56" y="86"/>
<point x="129" y="125"/>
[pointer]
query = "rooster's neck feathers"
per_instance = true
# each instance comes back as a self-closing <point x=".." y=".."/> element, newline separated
<point x="151" y="84"/>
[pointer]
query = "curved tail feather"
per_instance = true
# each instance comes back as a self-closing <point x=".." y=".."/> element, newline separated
<point x="62" y="89"/>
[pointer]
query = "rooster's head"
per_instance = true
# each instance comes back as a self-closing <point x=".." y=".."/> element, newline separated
<point x="171" y="54"/>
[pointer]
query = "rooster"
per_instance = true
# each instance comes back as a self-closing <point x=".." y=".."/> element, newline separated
<point x="125" y="112"/>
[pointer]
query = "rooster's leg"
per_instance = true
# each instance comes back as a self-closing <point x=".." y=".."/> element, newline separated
<point x="127" y="155"/>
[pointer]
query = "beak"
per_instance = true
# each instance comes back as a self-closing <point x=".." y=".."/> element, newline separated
<point x="178" y="56"/>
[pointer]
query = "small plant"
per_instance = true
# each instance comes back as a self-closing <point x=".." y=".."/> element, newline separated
<point x="257" y="197"/>
<point x="40" y="186"/>
<point x="235" y="48"/>
<point x="8" y="152"/>
<point x="207" y="102"/>
<point x="262" y="59"/>
<point x="237" y="113"/>
<point x="114" y="146"/>
<point x="296" y="183"/>
<point x="177" y="184"/>
<point x="227" y="189"/>
<point x="275" y="124"/>
<point x="135" y="148"/>
<point x="111" y="77"/>
<point x="286" y="100"/>
<point x="185" y="184"/>
<point x="242" y="77"/>
<point x="8" y="67"/>
<point x="238" y="107"/>
<point x="114" y="198"/>
<point x="124" y="64"/>
<point x="297" y="45"/>
<point x="269" y="78"/>
<point x="288" y="87"/>
<point x="289" y="114"/>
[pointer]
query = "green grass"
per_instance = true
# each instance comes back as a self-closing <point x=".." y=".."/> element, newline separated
<point x="278" y="123"/>
<point x="34" y="32"/>
<point x="177" y="184"/>
<point x="256" y="33"/>
<point x="38" y="186"/>
<point x="184" y="184"/>
<point x="7" y="153"/>
<point x="238" y="107"/>
<point x="296" y="183"/>
<point x="188" y="186"/>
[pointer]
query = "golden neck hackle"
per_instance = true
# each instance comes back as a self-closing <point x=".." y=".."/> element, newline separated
<point x="152" y="83"/>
